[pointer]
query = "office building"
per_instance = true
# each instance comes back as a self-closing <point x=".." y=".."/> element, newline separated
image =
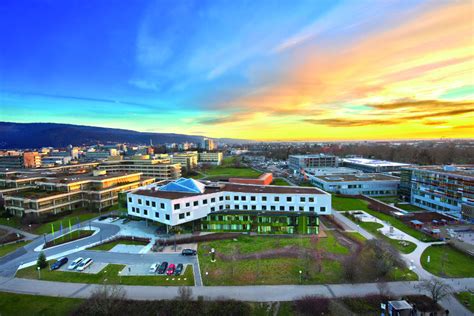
<point x="31" y="159"/>
<point x="156" y="168"/>
<point x="308" y="162"/>
<point x="373" y="184"/>
<point x="188" y="160"/>
<point x="13" y="160"/>
<point x="259" y="208"/>
<point x="52" y="193"/>
<point x="444" y="189"/>
<point x="208" y="144"/>
<point x="213" y="158"/>
<point x="373" y="165"/>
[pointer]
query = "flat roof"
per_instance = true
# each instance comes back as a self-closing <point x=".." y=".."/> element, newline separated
<point x="461" y="170"/>
<point x="374" y="162"/>
<point x="357" y="177"/>
<point x="313" y="156"/>
<point x="232" y="187"/>
<point x="71" y="178"/>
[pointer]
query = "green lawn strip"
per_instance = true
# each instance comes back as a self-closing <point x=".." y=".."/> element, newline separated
<point x="372" y="227"/>
<point x="109" y="274"/>
<point x="398" y="274"/>
<point x="232" y="172"/>
<point x="251" y="244"/>
<point x="46" y="227"/>
<point x="108" y="246"/>
<point x="23" y="304"/>
<point x="350" y="204"/>
<point x="409" y="207"/>
<point x="387" y="199"/>
<point x="356" y="236"/>
<point x="279" y="181"/>
<point x="6" y="249"/>
<point x="10" y="221"/>
<point x="74" y="235"/>
<point x="467" y="299"/>
<point x="446" y="261"/>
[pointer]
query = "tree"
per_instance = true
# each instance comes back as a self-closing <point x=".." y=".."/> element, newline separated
<point x="185" y="293"/>
<point x="106" y="300"/>
<point x="436" y="287"/>
<point x="42" y="263"/>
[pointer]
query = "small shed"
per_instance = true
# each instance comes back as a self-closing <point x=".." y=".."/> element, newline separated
<point x="416" y="223"/>
<point x="399" y="308"/>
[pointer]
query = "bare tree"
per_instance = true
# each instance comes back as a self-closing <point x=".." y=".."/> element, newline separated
<point x="185" y="293"/>
<point x="383" y="288"/>
<point x="105" y="299"/>
<point x="436" y="287"/>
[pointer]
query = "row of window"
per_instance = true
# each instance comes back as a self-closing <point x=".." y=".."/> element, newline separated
<point x="157" y="214"/>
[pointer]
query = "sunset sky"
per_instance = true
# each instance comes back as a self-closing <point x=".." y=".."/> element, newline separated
<point x="264" y="70"/>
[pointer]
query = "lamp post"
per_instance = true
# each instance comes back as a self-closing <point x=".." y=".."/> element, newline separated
<point x="213" y="255"/>
<point x="301" y="276"/>
<point x="39" y="273"/>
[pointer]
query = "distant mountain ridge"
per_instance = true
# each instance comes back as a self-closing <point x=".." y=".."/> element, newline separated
<point x="34" y="135"/>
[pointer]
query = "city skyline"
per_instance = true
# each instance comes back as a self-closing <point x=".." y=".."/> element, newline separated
<point x="331" y="71"/>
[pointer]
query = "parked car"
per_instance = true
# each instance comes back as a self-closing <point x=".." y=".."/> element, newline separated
<point x="103" y="218"/>
<point x="171" y="269"/>
<point x="154" y="267"/>
<point x="162" y="268"/>
<point x="179" y="269"/>
<point x="188" y="252"/>
<point x="59" y="263"/>
<point x="75" y="263"/>
<point x="84" y="264"/>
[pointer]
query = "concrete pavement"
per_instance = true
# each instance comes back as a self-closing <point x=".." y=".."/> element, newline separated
<point x="352" y="226"/>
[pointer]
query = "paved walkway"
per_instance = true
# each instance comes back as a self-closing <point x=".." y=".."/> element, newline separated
<point x="351" y="225"/>
<point x="28" y="236"/>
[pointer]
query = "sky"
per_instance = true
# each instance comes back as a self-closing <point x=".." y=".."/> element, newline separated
<point x="263" y="70"/>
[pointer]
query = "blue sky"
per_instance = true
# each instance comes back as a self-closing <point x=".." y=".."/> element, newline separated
<point x="199" y="67"/>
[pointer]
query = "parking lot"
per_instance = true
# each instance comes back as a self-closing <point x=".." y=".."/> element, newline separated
<point x="144" y="269"/>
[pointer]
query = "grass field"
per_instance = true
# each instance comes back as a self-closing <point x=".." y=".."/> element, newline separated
<point x="446" y="261"/>
<point x="74" y="217"/>
<point x="75" y="235"/>
<point x="108" y="246"/>
<point x="373" y="228"/>
<point x="108" y="275"/>
<point x="467" y="299"/>
<point x="279" y="181"/>
<point x="387" y="199"/>
<point x="10" y="221"/>
<point x="6" y="249"/>
<point x="23" y="304"/>
<point x="348" y="204"/>
<point x="409" y="207"/>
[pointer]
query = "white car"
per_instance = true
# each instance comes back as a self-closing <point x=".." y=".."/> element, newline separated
<point x="84" y="264"/>
<point x="75" y="264"/>
<point x="154" y="267"/>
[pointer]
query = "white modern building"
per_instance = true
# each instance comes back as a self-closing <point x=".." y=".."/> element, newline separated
<point x="373" y="165"/>
<point x="186" y="200"/>
<point x="214" y="158"/>
<point x="374" y="184"/>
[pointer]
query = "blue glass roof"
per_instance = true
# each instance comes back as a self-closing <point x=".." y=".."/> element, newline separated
<point x="184" y="185"/>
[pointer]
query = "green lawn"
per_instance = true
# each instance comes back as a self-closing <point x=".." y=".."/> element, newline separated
<point x="108" y="275"/>
<point x="82" y="216"/>
<point x="229" y="172"/>
<point x="356" y="236"/>
<point x="10" y="221"/>
<point x="279" y="181"/>
<point x="348" y="204"/>
<point x="387" y="199"/>
<point x="409" y="207"/>
<point x="402" y="246"/>
<point x="467" y="299"/>
<point x="446" y="261"/>
<point x="6" y="249"/>
<point x="23" y="304"/>
<point x="75" y="235"/>
<point x="108" y="246"/>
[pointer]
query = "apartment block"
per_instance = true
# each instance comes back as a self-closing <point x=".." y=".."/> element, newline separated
<point x="444" y="189"/>
<point x="298" y="162"/>
<point x="188" y="160"/>
<point x="156" y="168"/>
<point x="214" y="158"/>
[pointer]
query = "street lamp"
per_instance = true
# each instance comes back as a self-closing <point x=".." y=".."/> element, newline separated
<point x="39" y="273"/>
<point x="301" y="276"/>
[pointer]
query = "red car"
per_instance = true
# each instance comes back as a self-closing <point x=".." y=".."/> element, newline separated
<point x="171" y="269"/>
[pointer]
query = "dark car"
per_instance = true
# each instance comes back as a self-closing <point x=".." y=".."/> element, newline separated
<point x="179" y="269"/>
<point x="162" y="268"/>
<point x="188" y="252"/>
<point x="59" y="263"/>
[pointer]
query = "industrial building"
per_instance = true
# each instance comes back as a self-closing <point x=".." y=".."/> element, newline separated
<point x="259" y="208"/>
<point x="373" y="165"/>
<point x="308" y="162"/>
<point x="444" y="189"/>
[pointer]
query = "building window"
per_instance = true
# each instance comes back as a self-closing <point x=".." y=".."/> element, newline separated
<point x="254" y="207"/>
<point x="157" y="215"/>
<point x="227" y="198"/>
<point x="253" y="198"/>
<point x="264" y="207"/>
<point x="243" y="198"/>
<point x="177" y="206"/>
<point x="204" y="202"/>
<point x="236" y="198"/>
<point x="133" y="210"/>
<point x="221" y="207"/>
<point x="311" y="208"/>
<point x="264" y="198"/>
<point x="301" y="208"/>
<point x="147" y="203"/>
<point x="145" y="212"/>
<point x="292" y="208"/>
<point x="245" y="207"/>
<point x="221" y="198"/>
<point x="213" y="200"/>
<point x="167" y="217"/>
<point x="288" y="198"/>
<point x="311" y="199"/>
<point x="282" y="208"/>
<point x="139" y="201"/>
<point x="188" y="214"/>
<point x="130" y="199"/>
<point x="213" y="209"/>
<point x="322" y="209"/>
<point x="181" y="216"/>
<point x="188" y="204"/>
<point x="272" y="207"/>
<point x="162" y="205"/>
<point x="195" y="203"/>
<point x="227" y="206"/>
<point x="277" y="199"/>
<point x="302" y="199"/>
<point x="153" y="204"/>
<point x="236" y="207"/>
